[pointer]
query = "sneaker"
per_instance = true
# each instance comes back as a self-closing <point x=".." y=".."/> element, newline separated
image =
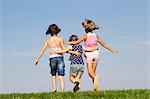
<point x="76" y="87"/>
<point x="96" y="84"/>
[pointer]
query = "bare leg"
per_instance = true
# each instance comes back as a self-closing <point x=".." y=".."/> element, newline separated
<point x="90" y="70"/>
<point x="78" y="79"/>
<point x="72" y="78"/>
<point x="94" y="65"/>
<point x="93" y="75"/>
<point x="54" y="82"/>
<point x="61" y="79"/>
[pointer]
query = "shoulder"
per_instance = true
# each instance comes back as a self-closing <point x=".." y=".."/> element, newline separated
<point x="61" y="38"/>
<point x="46" y="42"/>
<point x="85" y="35"/>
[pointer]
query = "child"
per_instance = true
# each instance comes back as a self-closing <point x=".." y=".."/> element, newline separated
<point x="92" y="57"/>
<point x="56" y="60"/>
<point x="77" y="64"/>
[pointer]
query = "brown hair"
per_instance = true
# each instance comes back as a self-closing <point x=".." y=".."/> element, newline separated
<point x="53" y="29"/>
<point x="89" y="25"/>
<point x="73" y="38"/>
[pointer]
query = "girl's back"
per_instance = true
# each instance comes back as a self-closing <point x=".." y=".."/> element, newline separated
<point x="54" y="42"/>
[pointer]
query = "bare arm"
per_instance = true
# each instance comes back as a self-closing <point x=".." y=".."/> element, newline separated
<point x="75" y="52"/>
<point x="41" y="53"/>
<point x="78" y="41"/>
<point x="105" y="45"/>
<point x="63" y="51"/>
<point x="68" y="49"/>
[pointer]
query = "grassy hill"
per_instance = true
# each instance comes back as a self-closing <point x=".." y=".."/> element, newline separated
<point x="110" y="94"/>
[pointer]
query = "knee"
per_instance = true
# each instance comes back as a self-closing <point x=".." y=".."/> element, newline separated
<point x="90" y="73"/>
<point x="70" y="79"/>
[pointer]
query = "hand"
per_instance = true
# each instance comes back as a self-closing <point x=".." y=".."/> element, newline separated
<point x="77" y="53"/>
<point x="36" y="62"/>
<point x="114" y="51"/>
<point x="53" y="52"/>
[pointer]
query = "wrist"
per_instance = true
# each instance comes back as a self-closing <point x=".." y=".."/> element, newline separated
<point x="37" y="59"/>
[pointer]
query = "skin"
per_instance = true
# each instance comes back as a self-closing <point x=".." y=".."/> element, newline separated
<point x="53" y="41"/>
<point x="91" y="67"/>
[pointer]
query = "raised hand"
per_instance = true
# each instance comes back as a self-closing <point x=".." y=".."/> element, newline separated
<point x="77" y="53"/>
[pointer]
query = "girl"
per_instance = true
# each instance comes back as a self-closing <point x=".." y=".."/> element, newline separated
<point x="77" y="64"/>
<point x="56" y="60"/>
<point x="92" y="56"/>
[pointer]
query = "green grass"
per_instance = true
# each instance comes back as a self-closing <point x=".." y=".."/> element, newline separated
<point x="110" y="94"/>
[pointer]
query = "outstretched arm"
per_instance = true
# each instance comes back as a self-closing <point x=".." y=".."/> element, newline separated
<point x="105" y="45"/>
<point x="78" y="41"/>
<point x="41" y="53"/>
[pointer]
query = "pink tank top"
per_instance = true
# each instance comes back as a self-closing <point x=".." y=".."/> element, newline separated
<point x="91" y="40"/>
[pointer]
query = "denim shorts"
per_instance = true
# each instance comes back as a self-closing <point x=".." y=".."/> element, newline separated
<point x="76" y="68"/>
<point x="57" y="66"/>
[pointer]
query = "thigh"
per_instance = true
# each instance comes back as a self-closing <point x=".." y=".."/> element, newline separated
<point x="61" y="66"/>
<point x="81" y="69"/>
<point x="89" y="57"/>
<point x="94" y="66"/>
<point x="96" y="55"/>
<point x="74" y="69"/>
<point x="53" y="65"/>
<point x="95" y="58"/>
<point x="89" y="67"/>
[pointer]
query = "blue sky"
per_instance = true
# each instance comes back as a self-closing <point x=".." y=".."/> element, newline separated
<point x="124" y="27"/>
